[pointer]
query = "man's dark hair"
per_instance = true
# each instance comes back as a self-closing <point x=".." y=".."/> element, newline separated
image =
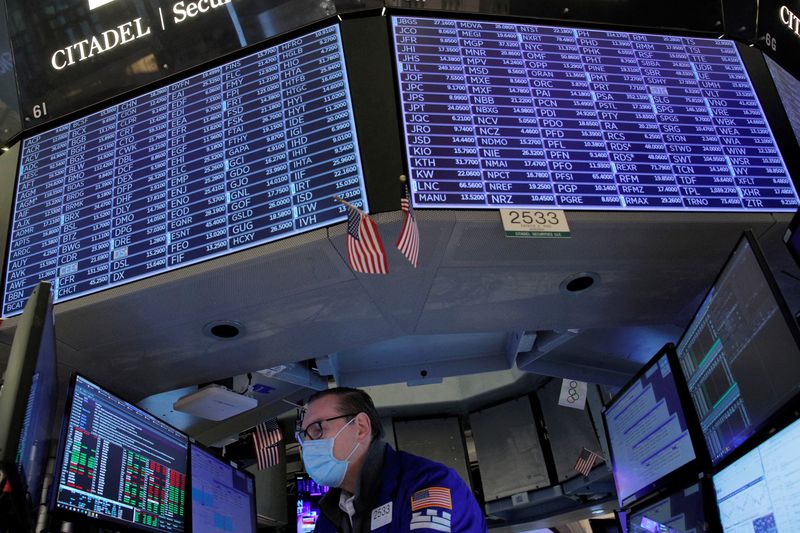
<point x="353" y="401"/>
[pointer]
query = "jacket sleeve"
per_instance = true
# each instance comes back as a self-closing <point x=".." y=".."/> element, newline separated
<point x="438" y="500"/>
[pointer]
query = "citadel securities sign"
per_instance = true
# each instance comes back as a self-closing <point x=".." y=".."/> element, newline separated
<point x="778" y="32"/>
<point x="126" y="32"/>
<point x="69" y="57"/>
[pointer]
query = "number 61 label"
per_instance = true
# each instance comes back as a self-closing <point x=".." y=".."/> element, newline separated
<point x="537" y="223"/>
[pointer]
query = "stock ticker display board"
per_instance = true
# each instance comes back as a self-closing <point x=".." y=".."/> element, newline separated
<point x="509" y="115"/>
<point x="239" y="155"/>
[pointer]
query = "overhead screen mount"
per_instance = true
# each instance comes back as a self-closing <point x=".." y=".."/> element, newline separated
<point x="223" y="497"/>
<point x="118" y="464"/>
<point x="239" y="155"/>
<point x="521" y="115"/>
<point x="653" y="438"/>
<point x="740" y="354"/>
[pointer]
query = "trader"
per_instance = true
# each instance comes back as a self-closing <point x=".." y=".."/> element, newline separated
<point x="373" y="487"/>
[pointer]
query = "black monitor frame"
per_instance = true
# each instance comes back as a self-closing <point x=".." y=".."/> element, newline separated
<point x="786" y="416"/>
<point x="711" y="513"/>
<point x="687" y="472"/>
<point x="783" y="418"/>
<point x="19" y="373"/>
<point x="790" y="233"/>
<point x="790" y="321"/>
<point x="753" y="60"/>
<point x="189" y="501"/>
<point x="376" y="148"/>
<point x="74" y="516"/>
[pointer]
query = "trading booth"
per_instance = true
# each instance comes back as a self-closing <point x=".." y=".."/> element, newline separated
<point x="555" y="241"/>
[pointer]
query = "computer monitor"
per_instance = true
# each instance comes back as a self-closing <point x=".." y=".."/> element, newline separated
<point x="740" y="353"/>
<point x="685" y="510"/>
<point x="223" y="497"/>
<point x="118" y="463"/>
<point x="27" y="401"/>
<point x="760" y="491"/>
<point x="648" y="430"/>
<point x="309" y="493"/>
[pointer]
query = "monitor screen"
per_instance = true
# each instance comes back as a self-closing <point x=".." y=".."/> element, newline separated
<point x="740" y="354"/>
<point x="760" y="491"/>
<point x="119" y="463"/>
<point x="27" y="401"/>
<point x="682" y="511"/>
<point x="239" y="155"/>
<point x="647" y="430"/>
<point x="309" y="493"/>
<point x="521" y="115"/>
<point x="223" y="497"/>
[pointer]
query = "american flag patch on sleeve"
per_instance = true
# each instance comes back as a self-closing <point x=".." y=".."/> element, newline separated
<point x="431" y="497"/>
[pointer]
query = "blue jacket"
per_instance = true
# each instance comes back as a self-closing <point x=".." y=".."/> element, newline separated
<point x="399" y="492"/>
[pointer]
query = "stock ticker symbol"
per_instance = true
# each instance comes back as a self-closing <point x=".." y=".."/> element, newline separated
<point x="573" y="393"/>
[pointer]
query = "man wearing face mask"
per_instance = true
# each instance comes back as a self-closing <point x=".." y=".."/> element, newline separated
<point x="373" y="487"/>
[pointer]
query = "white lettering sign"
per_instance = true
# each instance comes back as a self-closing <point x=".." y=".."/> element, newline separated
<point x="790" y="20"/>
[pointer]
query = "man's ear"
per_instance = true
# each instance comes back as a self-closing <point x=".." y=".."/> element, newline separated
<point x="364" y="426"/>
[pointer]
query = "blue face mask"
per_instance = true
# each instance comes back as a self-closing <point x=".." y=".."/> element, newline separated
<point x="321" y="464"/>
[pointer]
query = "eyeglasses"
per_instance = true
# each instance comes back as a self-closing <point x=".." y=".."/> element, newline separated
<point x="314" y="430"/>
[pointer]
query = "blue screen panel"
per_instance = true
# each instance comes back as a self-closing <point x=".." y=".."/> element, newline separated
<point x="223" y="498"/>
<point x="119" y="463"/>
<point x="519" y="115"/>
<point x="760" y="491"/>
<point x="647" y="431"/>
<point x="680" y="512"/>
<point x="309" y="493"/>
<point x="239" y="155"/>
<point x="739" y="354"/>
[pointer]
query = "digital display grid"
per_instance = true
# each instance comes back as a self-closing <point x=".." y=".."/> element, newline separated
<point x="518" y="115"/>
<point x="120" y="463"/>
<point x="239" y="155"/>
<point x="223" y="498"/>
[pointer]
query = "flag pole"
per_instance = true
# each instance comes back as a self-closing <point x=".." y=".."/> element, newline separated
<point x="403" y="178"/>
<point x="345" y="202"/>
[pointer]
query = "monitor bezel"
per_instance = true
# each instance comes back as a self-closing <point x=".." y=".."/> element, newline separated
<point x="234" y="466"/>
<point x="789" y="320"/>
<point x="684" y="472"/>
<point x="792" y="231"/>
<point x="24" y="363"/>
<point x="752" y="59"/>
<point x="787" y="416"/>
<point x="780" y="420"/>
<point x="710" y="510"/>
<point x="274" y="41"/>
<point x="75" y="516"/>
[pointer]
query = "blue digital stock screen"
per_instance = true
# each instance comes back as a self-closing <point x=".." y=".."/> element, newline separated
<point x="509" y="115"/>
<point x="239" y="155"/>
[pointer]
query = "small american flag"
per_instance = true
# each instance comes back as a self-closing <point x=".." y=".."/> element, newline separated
<point x="267" y="438"/>
<point x="586" y="461"/>
<point x="408" y="241"/>
<point x="431" y="497"/>
<point x="364" y="247"/>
